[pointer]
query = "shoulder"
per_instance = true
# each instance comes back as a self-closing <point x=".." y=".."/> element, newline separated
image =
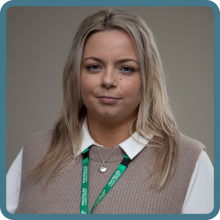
<point x="190" y="145"/>
<point x="37" y="145"/>
<point x="189" y="150"/>
<point x="39" y="137"/>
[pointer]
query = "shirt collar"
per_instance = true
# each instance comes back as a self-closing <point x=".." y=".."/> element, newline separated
<point x="130" y="146"/>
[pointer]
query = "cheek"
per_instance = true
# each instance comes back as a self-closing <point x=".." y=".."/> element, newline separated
<point x="133" y="90"/>
<point x="84" y="87"/>
<point x="87" y="86"/>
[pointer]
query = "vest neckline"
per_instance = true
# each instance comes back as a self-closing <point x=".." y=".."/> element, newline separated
<point x="116" y="156"/>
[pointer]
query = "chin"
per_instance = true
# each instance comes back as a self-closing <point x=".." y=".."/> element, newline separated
<point x="106" y="115"/>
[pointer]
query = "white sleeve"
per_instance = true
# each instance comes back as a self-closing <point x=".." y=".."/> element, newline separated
<point x="200" y="195"/>
<point x="13" y="183"/>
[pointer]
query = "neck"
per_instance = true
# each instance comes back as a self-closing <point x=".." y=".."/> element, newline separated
<point x="109" y="134"/>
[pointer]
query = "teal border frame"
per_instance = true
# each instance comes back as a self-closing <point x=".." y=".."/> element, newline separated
<point x="12" y="3"/>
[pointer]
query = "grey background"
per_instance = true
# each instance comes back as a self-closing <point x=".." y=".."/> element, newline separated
<point x="38" y="43"/>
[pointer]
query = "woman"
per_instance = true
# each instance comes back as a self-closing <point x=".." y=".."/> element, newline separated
<point x="115" y="147"/>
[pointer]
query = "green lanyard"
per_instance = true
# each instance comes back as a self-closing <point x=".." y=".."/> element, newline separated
<point x="85" y="181"/>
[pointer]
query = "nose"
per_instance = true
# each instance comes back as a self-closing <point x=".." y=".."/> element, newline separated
<point x="109" y="78"/>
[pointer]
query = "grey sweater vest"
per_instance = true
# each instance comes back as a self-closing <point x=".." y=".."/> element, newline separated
<point x="130" y="195"/>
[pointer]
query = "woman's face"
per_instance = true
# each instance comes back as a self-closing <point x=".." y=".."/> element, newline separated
<point x="110" y="76"/>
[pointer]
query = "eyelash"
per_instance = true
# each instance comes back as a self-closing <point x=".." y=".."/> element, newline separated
<point x="130" y="69"/>
<point x="90" y="69"/>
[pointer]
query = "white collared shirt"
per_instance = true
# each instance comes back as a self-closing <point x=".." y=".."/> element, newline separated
<point x="200" y="194"/>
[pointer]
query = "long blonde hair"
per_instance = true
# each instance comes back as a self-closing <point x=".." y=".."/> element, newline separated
<point x="154" y="114"/>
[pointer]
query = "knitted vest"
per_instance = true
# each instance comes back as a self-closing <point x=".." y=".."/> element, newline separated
<point x="131" y="194"/>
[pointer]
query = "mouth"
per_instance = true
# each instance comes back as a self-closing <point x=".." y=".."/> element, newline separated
<point x="108" y="99"/>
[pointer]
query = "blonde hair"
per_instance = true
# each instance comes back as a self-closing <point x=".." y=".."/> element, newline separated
<point x="154" y="114"/>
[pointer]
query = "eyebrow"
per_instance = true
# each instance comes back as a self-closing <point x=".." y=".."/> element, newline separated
<point x="116" y="62"/>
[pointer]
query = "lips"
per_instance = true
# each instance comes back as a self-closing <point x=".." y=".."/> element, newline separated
<point x="108" y="99"/>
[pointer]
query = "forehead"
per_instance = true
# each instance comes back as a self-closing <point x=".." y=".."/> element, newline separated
<point x="111" y="43"/>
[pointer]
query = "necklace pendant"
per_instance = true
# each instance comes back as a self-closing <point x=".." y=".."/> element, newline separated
<point x="102" y="169"/>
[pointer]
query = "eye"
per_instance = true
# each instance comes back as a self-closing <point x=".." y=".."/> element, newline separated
<point x="93" y="67"/>
<point x="127" y="69"/>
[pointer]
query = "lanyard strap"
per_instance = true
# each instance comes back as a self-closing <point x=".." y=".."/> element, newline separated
<point x="85" y="180"/>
